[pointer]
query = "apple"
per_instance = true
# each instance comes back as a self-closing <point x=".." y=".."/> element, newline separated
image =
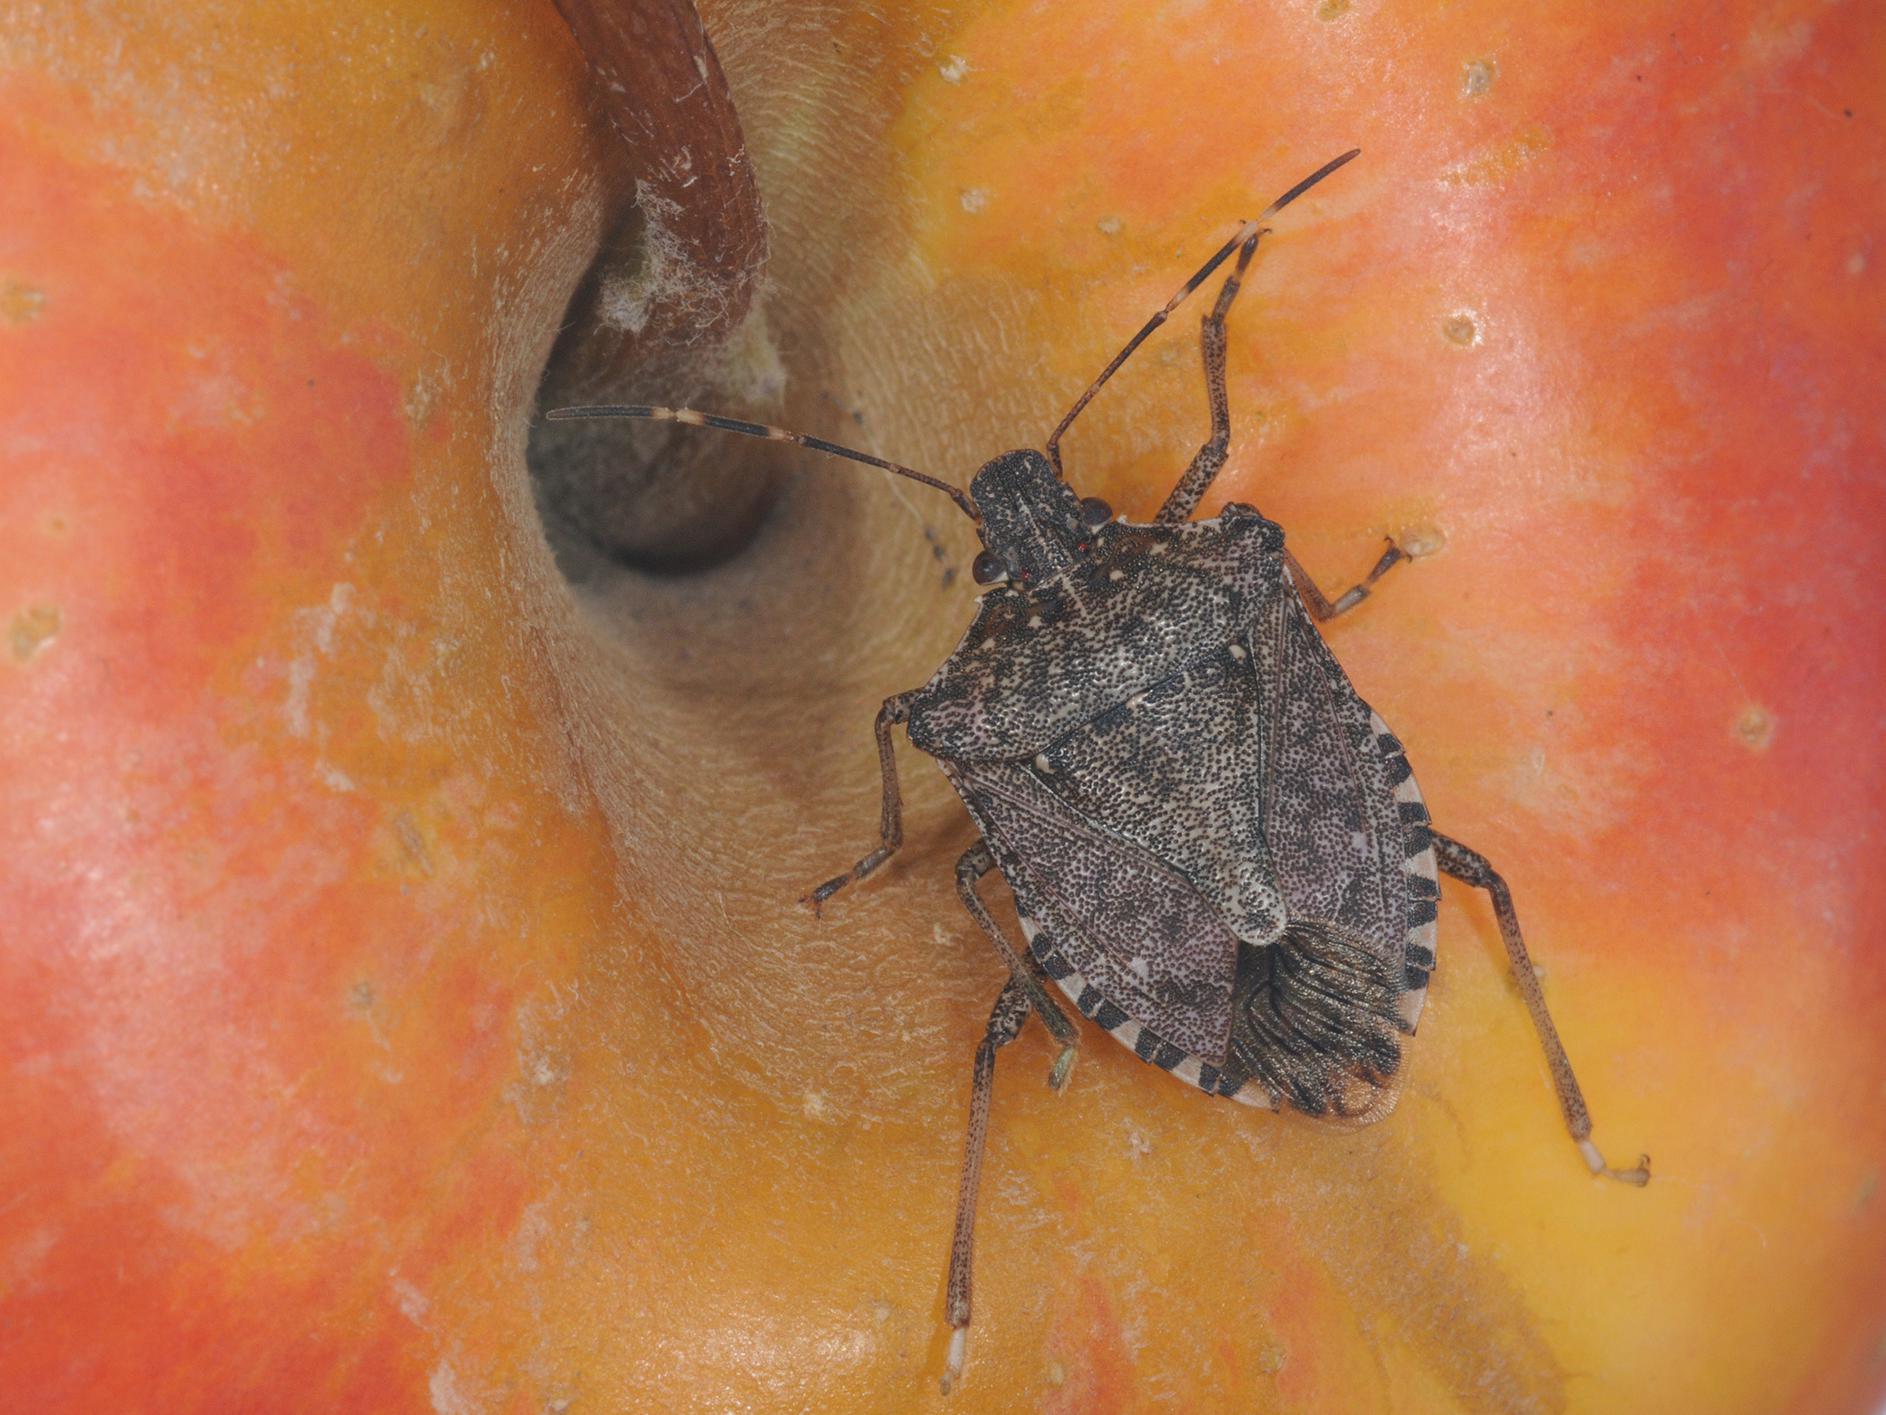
<point x="404" y="1001"/>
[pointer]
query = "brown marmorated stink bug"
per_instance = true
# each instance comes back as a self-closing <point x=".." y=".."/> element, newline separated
<point x="1217" y="850"/>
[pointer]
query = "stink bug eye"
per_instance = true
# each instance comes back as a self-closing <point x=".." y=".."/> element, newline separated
<point x="1095" y="513"/>
<point x="989" y="568"/>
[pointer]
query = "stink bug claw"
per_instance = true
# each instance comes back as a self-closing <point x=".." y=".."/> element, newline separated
<point x="953" y="1363"/>
<point x="1637" y="1177"/>
<point x="1062" y="1069"/>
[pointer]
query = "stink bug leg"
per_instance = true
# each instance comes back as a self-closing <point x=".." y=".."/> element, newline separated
<point x="1005" y="1023"/>
<point x="1320" y="605"/>
<point x="891" y="815"/>
<point x="1183" y="499"/>
<point x="1464" y="864"/>
<point x="1246" y="240"/>
<point x="975" y="863"/>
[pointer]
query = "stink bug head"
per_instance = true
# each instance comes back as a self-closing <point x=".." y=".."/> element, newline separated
<point x="1033" y="526"/>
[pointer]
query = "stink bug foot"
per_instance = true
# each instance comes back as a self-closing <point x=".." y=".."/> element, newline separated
<point x="1062" y="1070"/>
<point x="1321" y="606"/>
<point x="1465" y="865"/>
<point x="1218" y="852"/>
<point x="1637" y="1176"/>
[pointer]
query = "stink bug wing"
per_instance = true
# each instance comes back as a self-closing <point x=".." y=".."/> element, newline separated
<point x="1134" y="927"/>
<point x="1171" y="769"/>
<point x="1344" y="820"/>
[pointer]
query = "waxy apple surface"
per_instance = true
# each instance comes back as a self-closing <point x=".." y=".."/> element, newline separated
<point x="403" y="999"/>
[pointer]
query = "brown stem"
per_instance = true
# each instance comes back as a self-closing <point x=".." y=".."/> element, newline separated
<point x="665" y="308"/>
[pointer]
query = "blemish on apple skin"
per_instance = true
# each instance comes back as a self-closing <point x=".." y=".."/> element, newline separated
<point x="1110" y="226"/>
<point x="1477" y="77"/>
<point x="20" y="303"/>
<point x="412" y="842"/>
<point x="1500" y="163"/>
<point x="32" y="629"/>
<point x="1421" y="540"/>
<point x="1332" y="9"/>
<point x="975" y="199"/>
<point x="1755" y="727"/>
<point x="954" y="69"/>
<point x="1461" y="328"/>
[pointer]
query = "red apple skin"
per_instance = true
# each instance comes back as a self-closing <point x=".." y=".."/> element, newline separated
<point x="403" y="1002"/>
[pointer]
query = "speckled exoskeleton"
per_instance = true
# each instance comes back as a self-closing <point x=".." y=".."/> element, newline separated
<point x="1217" y="850"/>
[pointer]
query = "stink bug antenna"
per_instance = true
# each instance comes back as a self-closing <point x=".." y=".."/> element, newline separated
<point x="1247" y="237"/>
<point x="766" y="433"/>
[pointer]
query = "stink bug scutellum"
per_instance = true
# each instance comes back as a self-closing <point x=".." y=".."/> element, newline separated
<point x="1217" y="851"/>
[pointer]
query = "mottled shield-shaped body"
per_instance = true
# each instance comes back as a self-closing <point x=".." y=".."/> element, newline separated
<point x="1218" y="851"/>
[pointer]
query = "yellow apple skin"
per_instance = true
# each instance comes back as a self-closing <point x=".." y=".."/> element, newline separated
<point x="404" y="1002"/>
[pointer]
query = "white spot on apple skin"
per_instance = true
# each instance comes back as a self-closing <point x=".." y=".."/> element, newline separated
<point x="411" y="1301"/>
<point x="533" y="1229"/>
<point x="975" y="199"/>
<point x="954" y="69"/>
<point x="315" y="628"/>
<point x="334" y="778"/>
<point x="448" y="1393"/>
<point x="300" y="677"/>
<point x="1477" y="77"/>
<point x="1755" y="727"/>
<point x="543" y="1064"/>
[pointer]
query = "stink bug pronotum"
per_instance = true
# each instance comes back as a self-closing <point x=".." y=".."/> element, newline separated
<point x="1217" y="850"/>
